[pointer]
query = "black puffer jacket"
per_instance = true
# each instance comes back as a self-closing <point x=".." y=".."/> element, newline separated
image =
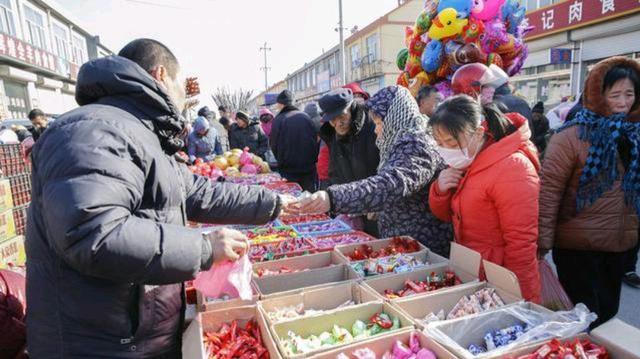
<point x="512" y="103"/>
<point x="106" y="242"/>
<point x="355" y="156"/>
<point x="294" y="141"/>
<point x="251" y="136"/>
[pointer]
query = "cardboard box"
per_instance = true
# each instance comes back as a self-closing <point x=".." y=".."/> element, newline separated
<point x="204" y="305"/>
<point x="291" y="283"/>
<point x="382" y="344"/>
<point x="346" y="249"/>
<point x="621" y="339"/>
<point x="311" y="261"/>
<point x="424" y="256"/>
<point x="7" y="225"/>
<point x="192" y="339"/>
<point x="463" y="332"/>
<point x="315" y="325"/>
<point x="502" y="280"/>
<point x="464" y="262"/>
<point x="626" y="346"/>
<point x="6" y="198"/>
<point x="12" y="251"/>
<point x="326" y="298"/>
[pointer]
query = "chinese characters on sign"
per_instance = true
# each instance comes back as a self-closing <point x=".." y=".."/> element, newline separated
<point x="575" y="13"/>
<point x="12" y="47"/>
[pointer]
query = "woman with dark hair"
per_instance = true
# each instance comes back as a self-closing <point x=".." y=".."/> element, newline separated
<point x="490" y="190"/>
<point x="590" y="192"/>
<point x="409" y="162"/>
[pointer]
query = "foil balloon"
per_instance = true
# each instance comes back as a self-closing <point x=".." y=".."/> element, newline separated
<point x="486" y="10"/>
<point x="462" y="7"/>
<point x="401" y="59"/>
<point x="458" y="54"/>
<point x="471" y="32"/>
<point x="432" y="56"/>
<point x="413" y="66"/>
<point x="446" y="24"/>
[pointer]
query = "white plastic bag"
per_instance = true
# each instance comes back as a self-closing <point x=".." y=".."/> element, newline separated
<point x="227" y="278"/>
<point x="460" y="333"/>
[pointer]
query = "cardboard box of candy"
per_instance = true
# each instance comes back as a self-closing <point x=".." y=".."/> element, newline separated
<point x="501" y="288"/>
<point x="329" y="242"/>
<point x="291" y="247"/>
<point x="314" y="301"/>
<point x="380" y="248"/>
<point x="205" y="304"/>
<point x="379" y="346"/>
<point x="579" y="346"/>
<point x="306" y="336"/>
<point x="399" y="263"/>
<point x="495" y="333"/>
<point x="322" y="228"/>
<point x="289" y="220"/>
<point x="296" y="264"/>
<point x="462" y="269"/>
<point x="267" y="234"/>
<point x="207" y="329"/>
<point x="285" y="284"/>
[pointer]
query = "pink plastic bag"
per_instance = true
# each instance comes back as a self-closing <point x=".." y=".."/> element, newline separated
<point x="553" y="295"/>
<point x="227" y="278"/>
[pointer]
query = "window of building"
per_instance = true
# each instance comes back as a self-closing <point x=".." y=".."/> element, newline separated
<point x="7" y="22"/>
<point x="372" y="47"/>
<point x="531" y="5"/>
<point x="61" y="40"/>
<point x="332" y="66"/>
<point x="34" y="32"/>
<point x="78" y="49"/>
<point x="355" y="56"/>
<point x="543" y="3"/>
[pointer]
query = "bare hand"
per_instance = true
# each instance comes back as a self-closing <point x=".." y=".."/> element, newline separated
<point x="228" y="244"/>
<point x="449" y="179"/>
<point x="289" y="204"/>
<point x="314" y="204"/>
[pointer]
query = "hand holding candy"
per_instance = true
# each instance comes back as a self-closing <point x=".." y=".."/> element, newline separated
<point x="316" y="203"/>
<point x="288" y="204"/>
<point x="227" y="244"/>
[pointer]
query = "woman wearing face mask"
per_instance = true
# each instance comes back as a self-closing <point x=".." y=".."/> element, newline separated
<point x="590" y="193"/>
<point x="408" y="164"/>
<point x="490" y="190"/>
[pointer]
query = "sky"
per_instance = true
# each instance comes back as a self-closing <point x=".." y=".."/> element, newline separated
<point x="219" y="40"/>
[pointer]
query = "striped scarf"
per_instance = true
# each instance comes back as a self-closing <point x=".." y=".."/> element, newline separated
<point x="601" y="168"/>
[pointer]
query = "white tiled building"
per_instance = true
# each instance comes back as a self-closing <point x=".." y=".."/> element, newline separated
<point x="41" y="51"/>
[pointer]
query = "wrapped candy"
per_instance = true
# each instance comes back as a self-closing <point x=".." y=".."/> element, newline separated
<point x="569" y="349"/>
<point x="432" y="282"/>
<point x="498" y="338"/>
<point x="271" y="234"/>
<point x="271" y="250"/>
<point x="232" y="341"/>
<point x="285" y="188"/>
<point x="289" y="220"/>
<point x="398" y="245"/>
<point x="478" y="302"/>
<point x="315" y="229"/>
<point x="297" y="311"/>
<point x="264" y="272"/>
<point x="330" y="241"/>
<point x="399" y="263"/>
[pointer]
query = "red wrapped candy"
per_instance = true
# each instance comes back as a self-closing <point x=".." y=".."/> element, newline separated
<point x="433" y="282"/>
<point x="234" y="342"/>
<point x="398" y="245"/>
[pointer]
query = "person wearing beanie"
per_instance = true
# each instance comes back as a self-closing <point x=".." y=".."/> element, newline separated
<point x="266" y="120"/>
<point x="223" y="135"/>
<point x="350" y="135"/>
<point x="361" y="96"/>
<point x="248" y="133"/>
<point x="203" y="141"/>
<point x="540" y="127"/>
<point x="313" y="110"/>
<point x="294" y="143"/>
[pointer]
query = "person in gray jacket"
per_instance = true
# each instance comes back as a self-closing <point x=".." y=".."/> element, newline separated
<point x="106" y="242"/>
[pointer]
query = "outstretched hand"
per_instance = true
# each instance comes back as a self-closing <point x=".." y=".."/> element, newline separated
<point x="316" y="203"/>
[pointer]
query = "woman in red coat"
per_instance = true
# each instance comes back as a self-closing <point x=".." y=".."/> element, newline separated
<point x="490" y="190"/>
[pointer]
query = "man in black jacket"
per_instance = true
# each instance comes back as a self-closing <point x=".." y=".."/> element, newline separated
<point x="248" y="133"/>
<point x="106" y="242"/>
<point x="294" y="143"/>
<point x="506" y="100"/>
<point x="349" y="133"/>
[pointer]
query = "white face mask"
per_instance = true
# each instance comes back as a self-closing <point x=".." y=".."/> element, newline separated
<point x="456" y="157"/>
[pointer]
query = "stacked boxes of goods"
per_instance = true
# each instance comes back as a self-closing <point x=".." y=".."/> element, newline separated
<point x="15" y="195"/>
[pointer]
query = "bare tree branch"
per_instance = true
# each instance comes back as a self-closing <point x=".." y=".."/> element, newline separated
<point x="234" y="100"/>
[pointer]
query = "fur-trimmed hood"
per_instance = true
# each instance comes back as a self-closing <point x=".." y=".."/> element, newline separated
<point x="593" y="98"/>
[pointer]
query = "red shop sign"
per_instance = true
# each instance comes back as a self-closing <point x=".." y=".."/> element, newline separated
<point x="20" y="50"/>
<point x="571" y="14"/>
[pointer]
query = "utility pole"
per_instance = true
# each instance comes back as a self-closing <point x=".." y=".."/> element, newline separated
<point x="265" y="68"/>
<point x="343" y="70"/>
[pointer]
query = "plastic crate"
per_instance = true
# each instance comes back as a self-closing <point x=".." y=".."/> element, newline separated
<point x="311" y="229"/>
<point x="289" y="220"/>
<point x="20" y="219"/>
<point x="20" y="189"/>
<point x="327" y="243"/>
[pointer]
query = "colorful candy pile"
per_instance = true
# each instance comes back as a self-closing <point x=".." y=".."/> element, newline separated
<point x="234" y="342"/>
<point x="270" y="234"/>
<point x="297" y="311"/>
<point x="268" y="251"/>
<point x="321" y="228"/>
<point x="330" y="241"/>
<point x="433" y="282"/>
<point x="265" y="272"/>
<point x="399" y="263"/>
<point x="379" y="323"/>
<point x="398" y="351"/>
<point x="498" y="338"/>
<point x="478" y="302"/>
<point x="289" y="220"/>
<point x="398" y="245"/>
<point x="576" y="349"/>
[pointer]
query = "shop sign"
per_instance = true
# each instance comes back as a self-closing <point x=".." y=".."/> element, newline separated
<point x="559" y="56"/>
<point x="323" y="82"/>
<point x="571" y="14"/>
<point x="20" y="50"/>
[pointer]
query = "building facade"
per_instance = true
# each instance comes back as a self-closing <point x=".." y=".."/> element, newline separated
<point x="568" y="38"/>
<point x="41" y="51"/>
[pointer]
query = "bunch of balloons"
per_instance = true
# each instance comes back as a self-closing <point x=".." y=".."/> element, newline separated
<point x="451" y="33"/>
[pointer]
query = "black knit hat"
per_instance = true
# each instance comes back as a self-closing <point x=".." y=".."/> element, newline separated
<point x="241" y="115"/>
<point x="285" y="98"/>
<point x="538" y="108"/>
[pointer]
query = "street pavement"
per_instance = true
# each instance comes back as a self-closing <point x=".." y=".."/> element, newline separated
<point x="629" y="300"/>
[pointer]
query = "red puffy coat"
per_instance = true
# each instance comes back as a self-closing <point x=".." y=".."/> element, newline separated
<point x="323" y="162"/>
<point x="494" y="210"/>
